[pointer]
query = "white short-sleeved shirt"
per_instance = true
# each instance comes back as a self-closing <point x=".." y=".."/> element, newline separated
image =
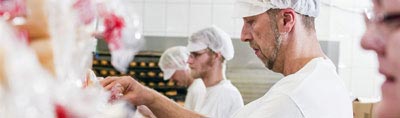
<point x="315" y="91"/>
<point x="196" y="93"/>
<point x="222" y="101"/>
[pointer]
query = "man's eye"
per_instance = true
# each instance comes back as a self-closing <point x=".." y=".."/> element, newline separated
<point x="392" y="20"/>
<point x="250" y="22"/>
<point x="194" y="54"/>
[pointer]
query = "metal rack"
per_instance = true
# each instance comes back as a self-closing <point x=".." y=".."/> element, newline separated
<point x="144" y="68"/>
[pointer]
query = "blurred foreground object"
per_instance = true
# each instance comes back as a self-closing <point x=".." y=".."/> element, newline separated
<point x="45" y="61"/>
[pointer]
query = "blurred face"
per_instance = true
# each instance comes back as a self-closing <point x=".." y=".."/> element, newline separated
<point x="181" y="78"/>
<point x="200" y="62"/>
<point x="382" y="36"/>
<point x="262" y="34"/>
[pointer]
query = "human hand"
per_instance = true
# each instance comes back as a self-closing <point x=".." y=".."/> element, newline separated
<point x="132" y="90"/>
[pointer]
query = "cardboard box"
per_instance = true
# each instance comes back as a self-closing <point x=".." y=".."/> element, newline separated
<point x="364" y="110"/>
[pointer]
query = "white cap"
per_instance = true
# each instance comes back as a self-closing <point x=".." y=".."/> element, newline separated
<point x="174" y="58"/>
<point x="215" y="39"/>
<point x="246" y="8"/>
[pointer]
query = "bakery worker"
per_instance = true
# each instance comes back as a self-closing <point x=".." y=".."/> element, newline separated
<point x="173" y="63"/>
<point x="210" y="49"/>
<point x="283" y="36"/>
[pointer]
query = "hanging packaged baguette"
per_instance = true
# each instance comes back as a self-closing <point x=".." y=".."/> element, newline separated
<point x="44" y="52"/>
<point x="36" y="27"/>
<point x="2" y="76"/>
<point x="36" y="23"/>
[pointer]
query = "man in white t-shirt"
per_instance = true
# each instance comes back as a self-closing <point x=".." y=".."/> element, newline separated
<point x="210" y="48"/>
<point x="282" y="34"/>
<point x="173" y="63"/>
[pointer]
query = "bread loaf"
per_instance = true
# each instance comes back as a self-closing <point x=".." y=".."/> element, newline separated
<point x="2" y="70"/>
<point x="36" y="20"/>
<point x="44" y="52"/>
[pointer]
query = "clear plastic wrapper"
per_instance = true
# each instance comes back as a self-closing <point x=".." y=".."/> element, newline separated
<point x="21" y="99"/>
<point x="71" y="38"/>
<point x="86" y="11"/>
<point x="121" y="29"/>
<point x="29" y="90"/>
<point x="91" y="79"/>
<point x="12" y="8"/>
<point x="116" y="93"/>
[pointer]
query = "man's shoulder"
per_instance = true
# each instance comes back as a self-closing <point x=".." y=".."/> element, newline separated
<point x="271" y="106"/>
<point x="197" y="86"/>
<point x="227" y="86"/>
<point x="317" y="72"/>
<point x="226" y="90"/>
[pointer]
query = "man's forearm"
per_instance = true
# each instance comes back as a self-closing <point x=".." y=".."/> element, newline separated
<point x="163" y="107"/>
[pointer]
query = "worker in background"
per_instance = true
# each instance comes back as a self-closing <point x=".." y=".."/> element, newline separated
<point x="283" y="36"/>
<point x="383" y="37"/>
<point x="210" y="49"/>
<point x="173" y="63"/>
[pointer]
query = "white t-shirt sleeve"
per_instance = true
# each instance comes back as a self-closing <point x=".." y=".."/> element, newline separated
<point x="282" y="107"/>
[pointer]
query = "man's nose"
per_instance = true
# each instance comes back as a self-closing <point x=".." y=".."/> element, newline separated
<point x="372" y="40"/>
<point x="245" y="35"/>
<point x="190" y="60"/>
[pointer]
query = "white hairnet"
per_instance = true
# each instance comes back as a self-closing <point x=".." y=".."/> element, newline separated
<point x="245" y="8"/>
<point x="174" y="58"/>
<point x="215" y="39"/>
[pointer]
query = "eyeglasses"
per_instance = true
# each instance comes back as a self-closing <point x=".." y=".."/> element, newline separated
<point x="386" y="22"/>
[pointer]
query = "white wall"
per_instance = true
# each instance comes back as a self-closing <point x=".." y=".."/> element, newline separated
<point x="356" y="66"/>
<point x="182" y="17"/>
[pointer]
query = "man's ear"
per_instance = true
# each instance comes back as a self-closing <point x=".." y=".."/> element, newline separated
<point x="287" y="19"/>
<point x="218" y="56"/>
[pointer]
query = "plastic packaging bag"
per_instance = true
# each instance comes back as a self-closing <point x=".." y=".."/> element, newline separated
<point x="33" y="92"/>
<point x="12" y="8"/>
<point x="73" y="42"/>
<point x="121" y="29"/>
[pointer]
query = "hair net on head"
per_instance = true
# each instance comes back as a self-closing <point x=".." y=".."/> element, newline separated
<point x="245" y="8"/>
<point x="215" y="39"/>
<point x="174" y="58"/>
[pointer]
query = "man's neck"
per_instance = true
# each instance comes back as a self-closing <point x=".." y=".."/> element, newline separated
<point x="190" y="80"/>
<point x="213" y="77"/>
<point x="300" y="50"/>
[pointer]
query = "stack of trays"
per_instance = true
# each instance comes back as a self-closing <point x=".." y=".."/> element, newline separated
<point x="143" y="68"/>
